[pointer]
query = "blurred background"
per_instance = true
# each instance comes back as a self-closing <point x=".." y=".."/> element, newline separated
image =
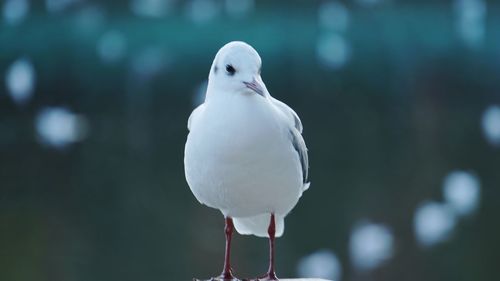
<point x="400" y="101"/>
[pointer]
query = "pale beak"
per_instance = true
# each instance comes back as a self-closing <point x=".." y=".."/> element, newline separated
<point x="255" y="86"/>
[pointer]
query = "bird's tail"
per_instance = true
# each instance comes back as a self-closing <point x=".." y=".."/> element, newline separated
<point x="258" y="225"/>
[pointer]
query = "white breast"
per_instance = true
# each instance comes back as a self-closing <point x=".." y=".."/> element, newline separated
<point x="239" y="158"/>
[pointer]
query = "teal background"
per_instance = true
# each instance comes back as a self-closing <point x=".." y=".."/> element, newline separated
<point x="383" y="131"/>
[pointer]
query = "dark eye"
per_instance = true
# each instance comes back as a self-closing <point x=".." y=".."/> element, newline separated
<point x="230" y="69"/>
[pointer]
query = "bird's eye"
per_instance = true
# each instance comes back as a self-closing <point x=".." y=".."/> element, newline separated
<point x="230" y="69"/>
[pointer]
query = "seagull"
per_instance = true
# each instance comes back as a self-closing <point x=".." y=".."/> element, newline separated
<point x="244" y="153"/>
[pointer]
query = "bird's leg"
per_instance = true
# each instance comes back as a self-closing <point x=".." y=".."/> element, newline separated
<point x="227" y="272"/>
<point x="271" y="230"/>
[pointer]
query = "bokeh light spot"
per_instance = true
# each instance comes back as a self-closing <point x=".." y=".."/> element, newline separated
<point x="433" y="223"/>
<point x="202" y="11"/>
<point x="491" y="124"/>
<point x="111" y="46"/>
<point x="56" y="6"/>
<point x="320" y="264"/>
<point x="151" y="8"/>
<point x="20" y="80"/>
<point x="462" y="192"/>
<point x="58" y="127"/>
<point x="370" y="245"/>
<point x="333" y="51"/>
<point x="15" y="11"/>
<point x="333" y="15"/>
<point x="471" y="18"/>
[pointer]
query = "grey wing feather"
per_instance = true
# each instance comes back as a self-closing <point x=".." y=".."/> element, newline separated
<point x="300" y="147"/>
<point x="297" y="139"/>
<point x="292" y="116"/>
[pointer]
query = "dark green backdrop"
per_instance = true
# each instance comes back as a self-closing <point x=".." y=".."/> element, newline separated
<point x="383" y="130"/>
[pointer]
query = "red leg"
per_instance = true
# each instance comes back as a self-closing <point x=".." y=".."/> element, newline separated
<point x="227" y="272"/>
<point x="271" y="274"/>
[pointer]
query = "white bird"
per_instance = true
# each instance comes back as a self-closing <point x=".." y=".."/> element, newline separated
<point x="245" y="154"/>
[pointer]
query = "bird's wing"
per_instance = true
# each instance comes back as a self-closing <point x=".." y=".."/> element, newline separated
<point x="297" y="140"/>
<point x="193" y="115"/>
<point x="300" y="147"/>
<point x="292" y="116"/>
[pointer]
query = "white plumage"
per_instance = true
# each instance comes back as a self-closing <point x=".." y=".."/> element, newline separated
<point x="244" y="154"/>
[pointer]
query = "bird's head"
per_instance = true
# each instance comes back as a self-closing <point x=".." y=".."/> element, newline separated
<point x="236" y="69"/>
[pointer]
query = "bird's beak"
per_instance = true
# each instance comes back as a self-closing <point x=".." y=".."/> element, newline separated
<point x="255" y="86"/>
